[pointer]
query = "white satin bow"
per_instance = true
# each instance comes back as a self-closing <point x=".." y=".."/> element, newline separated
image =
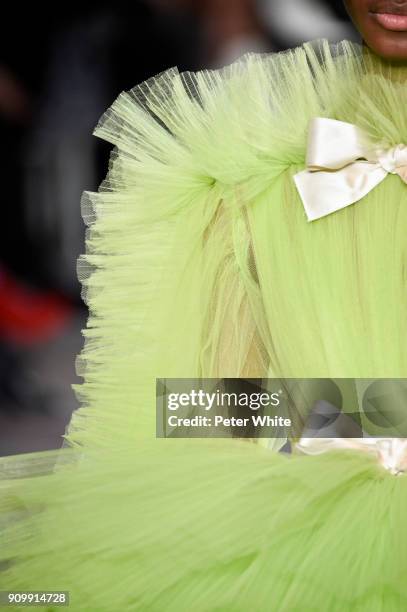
<point x="343" y="166"/>
<point x="391" y="453"/>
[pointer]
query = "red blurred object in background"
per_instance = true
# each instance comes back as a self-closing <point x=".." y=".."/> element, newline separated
<point x="29" y="315"/>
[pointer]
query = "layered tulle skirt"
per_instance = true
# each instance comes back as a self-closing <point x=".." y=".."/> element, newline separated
<point x="210" y="525"/>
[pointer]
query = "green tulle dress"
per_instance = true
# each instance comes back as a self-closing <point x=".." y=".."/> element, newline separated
<point x="201" y="263"/>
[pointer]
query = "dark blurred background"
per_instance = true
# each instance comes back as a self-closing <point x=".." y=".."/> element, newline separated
<point x="59" y="70"/>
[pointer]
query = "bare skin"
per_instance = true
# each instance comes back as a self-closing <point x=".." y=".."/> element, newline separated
<point x="383" y="26"/>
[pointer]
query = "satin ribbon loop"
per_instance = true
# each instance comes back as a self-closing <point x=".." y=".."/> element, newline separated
<point x="343" y="166"/>
<point x="391" y="453"/>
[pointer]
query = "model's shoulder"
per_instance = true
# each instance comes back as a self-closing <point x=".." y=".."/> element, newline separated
<point x="229" y="124"/>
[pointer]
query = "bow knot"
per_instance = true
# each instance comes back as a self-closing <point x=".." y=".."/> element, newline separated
<point x="394" y="160"/>
<point x="343" y="166"/>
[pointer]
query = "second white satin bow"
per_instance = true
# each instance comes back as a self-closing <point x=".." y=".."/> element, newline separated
<point x="343" y="166"/>
<point x="390" y="452"/>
